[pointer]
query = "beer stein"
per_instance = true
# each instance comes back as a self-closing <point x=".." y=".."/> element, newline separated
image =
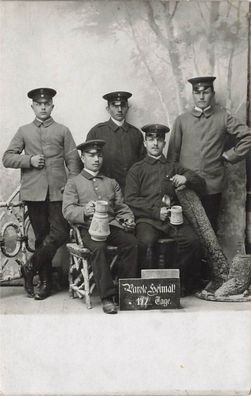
<point x="99" y="228"/>
<point x="176" y="216"/>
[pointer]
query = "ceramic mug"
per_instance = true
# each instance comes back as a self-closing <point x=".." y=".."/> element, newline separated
<point x="99" y="228"/>
<point x="176" y="216"/>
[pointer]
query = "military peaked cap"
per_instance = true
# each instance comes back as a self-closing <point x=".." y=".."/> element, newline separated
<point x="96" y="144"/>
<point x="206" y="81"/>
<point x="155" y="128"/>
<point x="39" y="94"/>
<point x="118" y="96"/>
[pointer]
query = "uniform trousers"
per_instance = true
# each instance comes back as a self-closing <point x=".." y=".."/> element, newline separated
<point x="189" y="250"/>
<point x="211" y="204"/>
<point x="127" y="266"/>
<point x="50" y="228"/>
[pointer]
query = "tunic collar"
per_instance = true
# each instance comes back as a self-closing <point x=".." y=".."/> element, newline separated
<point x="88" y="176"/>
<point x="151" y="160"/>
<point x="45" y="123"/>
<point x="116" y="127"/>
<point x="119" y="123"/>
<point x="197" y="112"/>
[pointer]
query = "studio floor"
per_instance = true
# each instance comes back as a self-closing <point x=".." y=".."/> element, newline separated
<point x="13" y="301"/>
<point x="59" y="347"/>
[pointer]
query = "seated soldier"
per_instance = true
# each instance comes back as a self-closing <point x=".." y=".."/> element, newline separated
<point x="146" y="183"/>
<point x="79" y="198"/>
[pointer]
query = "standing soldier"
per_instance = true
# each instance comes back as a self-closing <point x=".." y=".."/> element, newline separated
<point x="124" y="143"/>
<point x="198" y="142"/>
<point x="42" y="149"/>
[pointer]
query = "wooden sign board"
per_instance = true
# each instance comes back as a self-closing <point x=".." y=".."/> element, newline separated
<point x="149" y="293"/>
<point x="160" y="273"/>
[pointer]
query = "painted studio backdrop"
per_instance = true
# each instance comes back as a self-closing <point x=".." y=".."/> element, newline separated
<point x="85" y="49"/>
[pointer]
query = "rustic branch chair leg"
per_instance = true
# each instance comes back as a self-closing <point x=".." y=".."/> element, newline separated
<point x="80" y="272"/>
<point x="70" y="279"/>
<point x="87" y="285"/>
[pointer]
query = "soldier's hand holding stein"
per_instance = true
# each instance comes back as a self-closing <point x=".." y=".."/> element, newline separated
<point x="164" y="213"/>
<point x="89" y="209"/>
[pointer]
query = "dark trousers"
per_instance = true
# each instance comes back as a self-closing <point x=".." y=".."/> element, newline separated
<point x="188" y="248"/>
<point x="127" y="267"/>
<point x="211" y="204"/>
<point x="50" y="228"/>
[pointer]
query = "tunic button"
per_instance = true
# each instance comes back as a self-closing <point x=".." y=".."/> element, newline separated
<point x="94" y="180"/>
<point x="95" y="188"/>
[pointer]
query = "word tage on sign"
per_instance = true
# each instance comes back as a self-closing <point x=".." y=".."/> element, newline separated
<point x="153" y="293"/>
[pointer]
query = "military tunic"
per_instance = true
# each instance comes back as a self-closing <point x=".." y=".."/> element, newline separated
<point x="145" y="189"/>
<point x="85" y="187"/>
<point x="124" y="146"/>
<point x="198" y="141"/>
<point x="53" y="140"/>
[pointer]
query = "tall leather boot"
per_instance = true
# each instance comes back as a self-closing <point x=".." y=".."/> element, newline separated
<point x="45" y="285"/>
<point x="28" y="273"/>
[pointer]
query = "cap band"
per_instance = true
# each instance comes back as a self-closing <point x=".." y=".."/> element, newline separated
<point x="117" y="96"/>
<point x="91" y="145"/>
<point x="155" y="128"/>
<point x="41" y="94"/>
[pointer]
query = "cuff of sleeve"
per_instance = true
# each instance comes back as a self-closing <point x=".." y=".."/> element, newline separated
<point x="231" y="156"/>
<point x="86" y="219"/>
<point x="26" y="161"/>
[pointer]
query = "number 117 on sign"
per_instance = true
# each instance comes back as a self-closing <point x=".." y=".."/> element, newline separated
<point x="142" y="301"/>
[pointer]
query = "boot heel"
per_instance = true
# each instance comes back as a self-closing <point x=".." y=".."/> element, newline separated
<point x="28" y="274"/>
<point x="45" y="286"/>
